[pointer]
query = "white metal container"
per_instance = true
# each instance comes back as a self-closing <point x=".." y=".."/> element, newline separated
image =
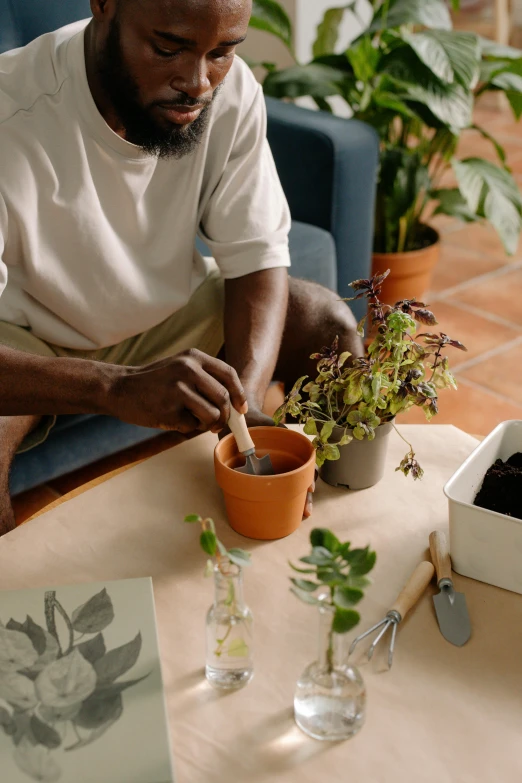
<point x="485" y="545"/>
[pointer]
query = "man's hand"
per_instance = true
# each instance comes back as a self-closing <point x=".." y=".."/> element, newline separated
<point x="187" y="392"/>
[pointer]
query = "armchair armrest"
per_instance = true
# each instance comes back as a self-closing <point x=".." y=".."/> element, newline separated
<point x="328" y="169"/>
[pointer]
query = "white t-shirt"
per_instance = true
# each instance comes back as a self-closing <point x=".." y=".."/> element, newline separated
<point x="96" y="237"/>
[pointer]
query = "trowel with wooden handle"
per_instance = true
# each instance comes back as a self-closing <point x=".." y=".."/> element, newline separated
<point x="255" y="466"/>
<point x="450" y="606"/>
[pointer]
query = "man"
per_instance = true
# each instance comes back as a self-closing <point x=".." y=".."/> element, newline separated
<point x="120" y="140"/>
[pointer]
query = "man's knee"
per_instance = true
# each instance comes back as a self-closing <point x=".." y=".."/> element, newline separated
<point x="315" y="310"/>
<point x="13" y="430"/>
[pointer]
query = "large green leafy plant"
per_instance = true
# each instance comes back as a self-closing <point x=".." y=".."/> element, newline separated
<point x="401" y="369"/>
<point x="415" y="80"/>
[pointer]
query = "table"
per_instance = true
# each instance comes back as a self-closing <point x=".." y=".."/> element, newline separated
<point x="441" y="715"/>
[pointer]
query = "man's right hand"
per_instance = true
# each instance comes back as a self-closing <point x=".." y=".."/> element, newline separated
<point x="187" y="392"/>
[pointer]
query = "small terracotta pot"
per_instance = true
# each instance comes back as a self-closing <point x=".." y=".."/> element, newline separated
<point x="410" y="273"/>
<point x="266" y="507"/>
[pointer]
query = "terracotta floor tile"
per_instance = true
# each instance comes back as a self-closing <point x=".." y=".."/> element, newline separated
<point x="478" y="334"/>
<point x="458" y="265"/>
<point x="502" y="373"/>
<point x="28" y="503"/>
<point x="75" y="479"/>
<point x="473" y="410"/>
<point x="501" y="295"/>
<point x="483" y="239"/>
<point x="473" y="145"/>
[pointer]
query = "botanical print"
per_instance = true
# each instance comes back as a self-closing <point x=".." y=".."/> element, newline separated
<point x="63" y="689"/>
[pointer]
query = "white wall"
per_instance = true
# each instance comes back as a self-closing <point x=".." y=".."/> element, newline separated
<point x="309" y="13"/>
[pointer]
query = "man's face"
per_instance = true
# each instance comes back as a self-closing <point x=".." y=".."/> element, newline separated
<point x="161" y="64"/>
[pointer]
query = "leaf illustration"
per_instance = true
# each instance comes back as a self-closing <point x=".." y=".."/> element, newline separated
<point x="34" y="631"/>
<point x="66" y="681"/>
<point x="117" y="662"/>
<point x="5" y="717"/>
<point x="117" y="687"/>
<point x="94" y="649"/>
<point x="58" y="714"/>
<point x="51" y="654"/>
<point x="96" y="711"/>
<point x="36" y="761"/>
<point x="17" y="690"/>
<point x="93" y="736"/>
<point x="95" y="615"/>
<point x="16" y="651"/>
<point x="44" y="734"/>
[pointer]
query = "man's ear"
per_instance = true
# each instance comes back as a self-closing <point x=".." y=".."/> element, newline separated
<point x="103" y="10"/>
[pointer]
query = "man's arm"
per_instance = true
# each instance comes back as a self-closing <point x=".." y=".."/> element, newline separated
<point x="185" y="392"/>
<point x="255" y="312"/>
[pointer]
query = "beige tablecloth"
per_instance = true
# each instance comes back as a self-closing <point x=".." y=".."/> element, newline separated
<point x="442" y="714"/>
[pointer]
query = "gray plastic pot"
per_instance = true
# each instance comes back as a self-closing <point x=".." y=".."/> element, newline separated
<point x="362" y="462"/>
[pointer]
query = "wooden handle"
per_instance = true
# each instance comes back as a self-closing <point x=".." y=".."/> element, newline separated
<point x="415" y="587"/>
<point x="240" y="431"/>
<point x="440" y="555"/>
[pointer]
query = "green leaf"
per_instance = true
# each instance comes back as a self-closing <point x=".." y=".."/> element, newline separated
<point x="239" y="557"/>
<point x="492" y="192"/>
<point x="98" y="710"/>
<point x="118" y="661"/>
<point x="238" y="648"/>
<point x="95" y="615"/>
<point x="353" y="393"/>
<point x="269" y="16"/>
<point x="44" y="734"/>
<point x="320" y="556"/>
<point x="346" y="597"/>
<point x="310" y="428"/>
<point x="326" y="430"/>
<point x="346" y="438"/>
<point x="361" y="561"/>
<point x="193" y="518"/>
<point x="364" y="59"/>
<point x="358" y="581"/>
<point x="208" y="542"/>
<point x="451" y="202"/>
<point x="331" y="452"/>
<point x="451" y="56"/>
<point x="498" y="148"/>
<point x="344" y="620"/>
<point x="428" y="13"/>
<point x="498" y="51"/>
<point x="322" y="537"/>
<point x="316" y="80"/>
<point x="94" y="649"/>
<point x="307" y="598"/>
<point x="328" y="31"/>
<point x="305" y="584"/>
<point x="302" y="570"/>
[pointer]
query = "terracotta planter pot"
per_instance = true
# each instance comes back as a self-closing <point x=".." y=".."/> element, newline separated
<point x="362" y="462"/>
<point x="266" y="507"/>
<point x="410" y="273"/>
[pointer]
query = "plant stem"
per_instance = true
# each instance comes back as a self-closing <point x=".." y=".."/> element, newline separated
<point x="403" y="438"/>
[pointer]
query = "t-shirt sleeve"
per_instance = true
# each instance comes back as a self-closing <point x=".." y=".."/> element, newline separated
<point x="3" y="238"/>
<point x="246" y="220"/>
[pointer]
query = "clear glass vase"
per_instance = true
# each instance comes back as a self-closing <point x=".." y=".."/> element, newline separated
<point x="330" y="697"/>
<point x="229" y="661"/>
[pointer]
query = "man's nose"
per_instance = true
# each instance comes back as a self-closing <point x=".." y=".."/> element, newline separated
<point x="193" y="79"/>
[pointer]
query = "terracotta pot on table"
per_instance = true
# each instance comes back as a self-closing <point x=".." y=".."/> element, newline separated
<point x="266" y="507"/>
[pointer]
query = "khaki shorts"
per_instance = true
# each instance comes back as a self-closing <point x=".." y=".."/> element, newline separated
<point x="197" y="325"/>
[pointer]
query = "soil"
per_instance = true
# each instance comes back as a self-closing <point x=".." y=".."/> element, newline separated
<point x="501" y="489"/>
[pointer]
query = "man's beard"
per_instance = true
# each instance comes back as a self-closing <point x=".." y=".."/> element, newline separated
<point x="169" y="141"/>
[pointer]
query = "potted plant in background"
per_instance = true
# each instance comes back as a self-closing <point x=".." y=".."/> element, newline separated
<point x="330" y="697"/>
<point x="416" y="81"/>
<point x="350" y="407"/>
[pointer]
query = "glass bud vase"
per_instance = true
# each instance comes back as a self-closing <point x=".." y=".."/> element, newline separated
<point x="229" y="662"/>
<point x="330" y="697"/>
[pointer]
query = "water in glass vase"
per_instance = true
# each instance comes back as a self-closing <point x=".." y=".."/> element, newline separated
<point x="330" y="697"/>
<point x="229" y="631"/>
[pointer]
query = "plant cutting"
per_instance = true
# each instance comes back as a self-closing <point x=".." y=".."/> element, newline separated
<point x="416" y="81"/>
<point x="229" y="621"/>
<point x="330" y="697"/>
<point x="353" y="402"/>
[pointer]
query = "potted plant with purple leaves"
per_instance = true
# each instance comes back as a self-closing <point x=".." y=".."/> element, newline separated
<point x="351" y="406"/>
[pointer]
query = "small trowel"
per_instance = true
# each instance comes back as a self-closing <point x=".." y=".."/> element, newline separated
<point x="256" y="466"/>
<point x="450" y="606"/>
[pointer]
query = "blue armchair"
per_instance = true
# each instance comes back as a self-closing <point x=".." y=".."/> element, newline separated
<point x="328" y="169"/>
